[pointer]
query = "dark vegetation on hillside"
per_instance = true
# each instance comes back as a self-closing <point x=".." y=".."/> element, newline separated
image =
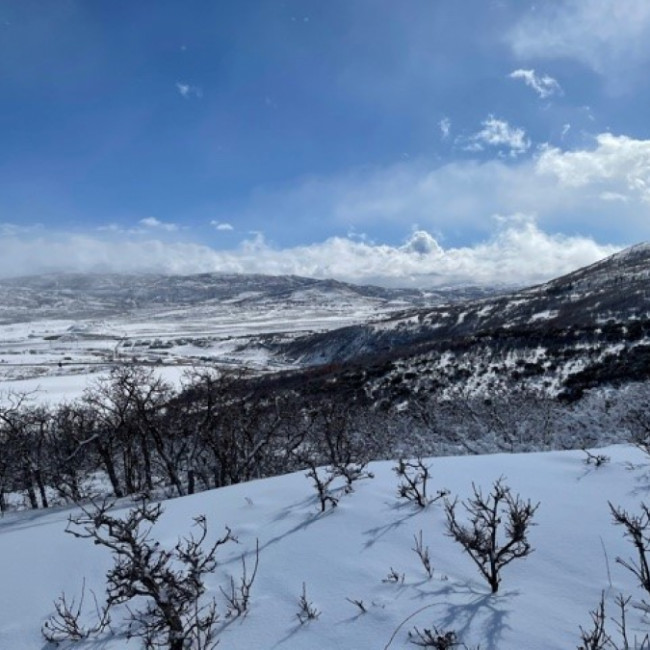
<point x="132" y="433"/>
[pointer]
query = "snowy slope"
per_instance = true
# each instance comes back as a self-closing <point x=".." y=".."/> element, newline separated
<point x="346" y="553"/>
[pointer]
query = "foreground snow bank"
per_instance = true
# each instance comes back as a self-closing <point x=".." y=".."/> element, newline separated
<point x="347" y="553"/>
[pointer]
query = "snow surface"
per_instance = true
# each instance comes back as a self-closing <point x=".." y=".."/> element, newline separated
<point x="59" y="357"/>
<point x="348" y="551"/>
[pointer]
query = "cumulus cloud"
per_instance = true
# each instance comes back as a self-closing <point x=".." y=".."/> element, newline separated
<point x="499" y="134"/>
<point x="220" y="225"/>
<point x="188" y="90"/>
<point x="153" y="223"/>
<point x="608" y="36"/>
<point x="518" y="252"/>
<point x="544" y="85"/>
<point x="618" y="165"/>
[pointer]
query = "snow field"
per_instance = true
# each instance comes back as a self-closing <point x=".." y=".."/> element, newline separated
<point x="348" y="551"/>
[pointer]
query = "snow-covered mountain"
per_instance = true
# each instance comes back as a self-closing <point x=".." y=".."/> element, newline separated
<point x="75" y="295"/>
<point x="588" y="327"/>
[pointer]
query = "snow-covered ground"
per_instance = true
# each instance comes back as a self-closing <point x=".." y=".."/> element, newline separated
<point x="59" y="357"/>
<point x="347" y="553"/>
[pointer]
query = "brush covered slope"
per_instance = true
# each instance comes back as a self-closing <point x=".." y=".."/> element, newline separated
<point x="585" y="329"/>
<point x="362" y="551"/>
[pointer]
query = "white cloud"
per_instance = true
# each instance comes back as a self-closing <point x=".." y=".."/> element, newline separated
<point x="153" y="223"/>
<point x="603" y="190"/>
<point x="457" y="199"/>
<point x="121" y="230"/>
<point x="11" y="229"/>
<point x="609" y="36"/>
<point x="618" y="165"/>
<point x="519" y="252"/>
<point x="498" y="133"/>
<point x="445" y="128"/>
<point x="188" y="90"/>
<point x="422" y="243"/>
<point x="220" y="225"/>
<point x="544" y="85"/>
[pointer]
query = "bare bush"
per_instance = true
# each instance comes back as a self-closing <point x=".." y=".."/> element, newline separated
<point x="238" y="595"/>
<point x="597" y="460"/>
<point x="497" y="532"/>
<point x="358" y="603"/>
<point x="435" y="639"/>
<point x="596" y="637"/>
<point x="637" y="529"/>
<point x="169" y="583"/>
<point x="422" y="552"/>
<point x="414" y="476"/>
<point x="394" y="577"/>
<point x="323" y="479"/>
<point x="65" y="624"/>
<point x="307" y="611"/>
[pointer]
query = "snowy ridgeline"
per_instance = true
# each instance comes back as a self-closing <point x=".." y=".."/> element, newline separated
<point x="350" y="552"/>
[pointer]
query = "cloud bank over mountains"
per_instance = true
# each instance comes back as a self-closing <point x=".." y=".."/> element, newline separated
<point x="516" y="208"/>
<point x="518" y="254"/>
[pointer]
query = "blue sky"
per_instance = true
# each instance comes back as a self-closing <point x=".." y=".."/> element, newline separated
<point x="421" y="142"/>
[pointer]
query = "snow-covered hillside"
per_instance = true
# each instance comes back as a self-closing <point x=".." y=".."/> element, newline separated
<point x="59" y="331"/>
<point x="348" y="552"/>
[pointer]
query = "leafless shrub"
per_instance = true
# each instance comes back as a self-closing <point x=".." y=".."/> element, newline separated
<point x="307" y="611"/>
<point x="422" y="552"/>
<point x="414" y="476"/>
<point x="65" y="624"/>
<point x="497" y="532"/>
<point x="435" y="639"/>
<point x="597" y="460"/>
<point x="168" y="581"/>
<point x="238" y="596"/>
<point x="323" y="479"/>
<point x="358" y="603"/>
<point x="637" y="529"/>
<point x="596" y="636"/>
<point x="394" y="577"/>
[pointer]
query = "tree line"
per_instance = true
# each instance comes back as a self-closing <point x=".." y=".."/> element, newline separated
<point x="134" y="433"/>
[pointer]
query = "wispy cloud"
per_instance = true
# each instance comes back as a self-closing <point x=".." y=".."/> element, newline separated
<point x="461" y="196"/>
<point x="602" y="189"/>
<point x="11" y="229"/>
<point x="499" y="134"/>
<point x="156" y="224"/>
<point x="221" y="225"/>
<point x="544" y="85"/>
<point x="609" y="37"/>
<point x="188" y="90"/>
<point x="445" y="128"/>
<point x="518" y="252"/>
